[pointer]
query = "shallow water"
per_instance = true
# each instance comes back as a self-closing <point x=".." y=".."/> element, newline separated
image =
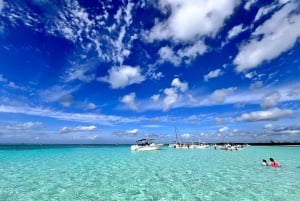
<point x="115" y="173"/>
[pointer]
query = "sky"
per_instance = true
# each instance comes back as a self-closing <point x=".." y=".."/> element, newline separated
<point x="113" y="72"/>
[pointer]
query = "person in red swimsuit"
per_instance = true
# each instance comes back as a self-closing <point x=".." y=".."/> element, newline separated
<point x="274" y="163"/>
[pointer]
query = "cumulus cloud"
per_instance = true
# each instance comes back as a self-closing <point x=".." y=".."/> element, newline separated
<point x="220" y="95"/>
<point x="266" y="115"/>
<point x="129" y="100"/>
<point x="270" y="40"/>
<point x="167" y="54"/>
<point x="172" y="94"/>
<point x="170" y="99"/>
<point x="270" y="100"/>
<point x="155" y="97"/>
<point x="191" y="19"/>
<point x="77" y="129"/>
<point x="122" y="76"/>
<point x="213" y="74"/>
<point x="182" y="86"/>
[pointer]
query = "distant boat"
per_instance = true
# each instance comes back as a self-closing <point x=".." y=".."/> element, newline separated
<point x="230" y="147"/>
<point x="145" y="145"/>
<point x="198" y="145"/>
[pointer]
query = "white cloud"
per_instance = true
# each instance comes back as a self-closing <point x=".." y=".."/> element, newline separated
<point x="264" y="11"/>
<point x="220" y="95"/>
<point x="129" y="100"/>
<point x="133" y="131"/>
<point x="213" y="74"/>
<point x="271" y="100"/>
<point x="192" y="19"/>
<point x="223" y="130"/>
<point x="182" y="86"/>
<point x="25" y="126"/>
<point x="172" y="94"/>
<point x="170" y="99"/>
<point x="249" y="4"/>
<point x="120" y="77"/>
<point x="155" y="97"/>
<point x="270" y="40"/>
<point x="77" y="129"/>
<point x="268" y="126"/>
<point x="167" y="54"/>
<point x="235" y="31"/>
<point x="80" y="72"/>
<point x="266" y="115"/>
<point x="250" y="75"/>
<point x="186" y="135"/>
<point x="57" y="93"/>
<point x="186" y="54"/>
<point x="78" y="117"/>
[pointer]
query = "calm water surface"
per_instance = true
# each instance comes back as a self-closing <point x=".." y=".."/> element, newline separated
<point x="96" y="173"/>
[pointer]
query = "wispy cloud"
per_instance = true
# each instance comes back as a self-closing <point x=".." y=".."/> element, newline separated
<point x="24" y="126"/>
<point x="58" y="93"/>
<point x="213" y="74"/>
<point x="77" y="117"/>
<point x="78" y="129"/>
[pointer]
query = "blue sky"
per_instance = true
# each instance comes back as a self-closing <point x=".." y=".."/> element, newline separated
<point x="117" y="71"/>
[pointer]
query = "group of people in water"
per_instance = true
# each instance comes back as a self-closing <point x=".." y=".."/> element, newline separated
<point x="272" y="163"/>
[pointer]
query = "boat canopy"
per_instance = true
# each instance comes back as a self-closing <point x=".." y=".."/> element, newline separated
<point x="143" y="140"/>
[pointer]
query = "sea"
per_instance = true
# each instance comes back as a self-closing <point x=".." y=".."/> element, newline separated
<point x="114" y="172"/>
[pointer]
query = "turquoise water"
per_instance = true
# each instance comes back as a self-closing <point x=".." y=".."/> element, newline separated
<point x="94" y="173"/>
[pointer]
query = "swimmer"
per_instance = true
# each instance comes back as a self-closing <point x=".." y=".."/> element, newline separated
<point x="264" y="162"/>
<point x="274" y="163"/>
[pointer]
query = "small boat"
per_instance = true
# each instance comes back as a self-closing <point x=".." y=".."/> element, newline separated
<point x="145" y="145"/>
<point x="198" y="145"/>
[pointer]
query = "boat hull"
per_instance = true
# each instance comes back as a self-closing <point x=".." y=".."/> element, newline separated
<point x="150" y="147"/>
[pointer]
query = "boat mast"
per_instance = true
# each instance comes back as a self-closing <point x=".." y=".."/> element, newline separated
<point x="176" y="134"/>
